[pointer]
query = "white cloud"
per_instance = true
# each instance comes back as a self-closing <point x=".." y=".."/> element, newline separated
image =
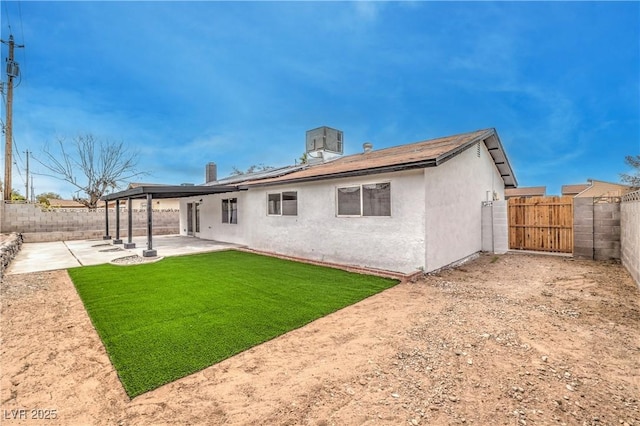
<point x="367" y="11"/>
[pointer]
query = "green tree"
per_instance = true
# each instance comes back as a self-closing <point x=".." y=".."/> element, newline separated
<point x="45" y="196"/>
<point x="632" y="179"/>
<point x="17" y="196"/>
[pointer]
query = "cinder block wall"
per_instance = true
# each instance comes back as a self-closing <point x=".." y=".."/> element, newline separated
<point x="583" y="228"/>
<point x="630" y="234"/>
<point x="495" y="227"/>
<point x="596" y="229"/>
<point x="606" y="236"/>
<point x="500" y="226"/>
<point x="38" y="225"/>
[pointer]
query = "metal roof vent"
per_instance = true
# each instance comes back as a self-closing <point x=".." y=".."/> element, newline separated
<point x="367" y="147"/>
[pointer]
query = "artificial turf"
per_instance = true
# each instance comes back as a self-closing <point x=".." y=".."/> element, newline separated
<point x="165" y="320"/>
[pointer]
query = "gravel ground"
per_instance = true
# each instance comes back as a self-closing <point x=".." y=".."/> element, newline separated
<point x="517" y="339"/>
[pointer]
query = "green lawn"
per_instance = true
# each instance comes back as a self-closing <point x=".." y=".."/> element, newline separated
<point x="162" y="321"/>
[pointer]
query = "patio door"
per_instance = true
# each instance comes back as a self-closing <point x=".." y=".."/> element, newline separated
<point x="193" y="218"/>
<point x="190" y="215"/>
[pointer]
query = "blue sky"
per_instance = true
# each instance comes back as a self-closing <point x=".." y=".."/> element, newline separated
<point x="239" y="83"/>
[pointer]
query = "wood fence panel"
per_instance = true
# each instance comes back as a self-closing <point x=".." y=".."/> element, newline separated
<point x="541" y="224"/>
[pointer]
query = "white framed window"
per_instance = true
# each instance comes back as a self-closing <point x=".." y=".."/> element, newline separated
<point x="282" y="203"/>
<point x="230" y="210"/>
<point x="372" y="199"/>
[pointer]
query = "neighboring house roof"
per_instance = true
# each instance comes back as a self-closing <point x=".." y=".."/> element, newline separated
<point x="595" y="188"/>
<point x="525" y="191"/>
<point x="422" y="154"/>
<point x="574" y="189"/>
<point x="600" y="188"/>
<point x="65" y="204"/>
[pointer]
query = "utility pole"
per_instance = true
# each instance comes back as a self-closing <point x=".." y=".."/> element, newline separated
<point x="13" y="70"/>
<point x="26" y="195"/>
<point x="33" y="196"/>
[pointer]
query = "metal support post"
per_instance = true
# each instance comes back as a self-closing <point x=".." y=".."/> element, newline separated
<point x="117" y="240"/>
<point x="149" y="252"/>
<point x="106" y="235"/>
<point x="129" y="244"/>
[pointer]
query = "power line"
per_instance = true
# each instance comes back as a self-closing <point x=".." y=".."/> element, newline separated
<point x="6" y="12"/>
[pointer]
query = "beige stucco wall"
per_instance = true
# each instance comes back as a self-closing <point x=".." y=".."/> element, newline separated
<point x="454" y="192"/>
<point x="599" y="189"/>
<point x="159" y="204"/>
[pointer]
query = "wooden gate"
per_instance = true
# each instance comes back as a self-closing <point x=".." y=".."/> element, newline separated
<point x="541" y="224"/>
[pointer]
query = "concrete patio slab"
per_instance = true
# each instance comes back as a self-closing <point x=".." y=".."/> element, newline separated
<point x="37" y="257"/>
<point x="34" y="257"/>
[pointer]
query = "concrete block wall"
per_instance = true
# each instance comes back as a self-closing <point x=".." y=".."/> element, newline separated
<point x="39" y="225"/>
<point x="630" y="234"/>
<point x="495" y="227"/>
<point x="500" y="226"/>
<point x="583" y="228"/>
<point x="606" y="234"/>
<point x="596" y="229"/>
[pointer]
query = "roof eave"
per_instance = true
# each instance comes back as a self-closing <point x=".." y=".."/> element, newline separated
<point x="169" y="191"/>
<point x="492" y="141"/>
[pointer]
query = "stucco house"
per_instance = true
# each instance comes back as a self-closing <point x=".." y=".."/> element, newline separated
<point x="525" y="192"/>
<point x="159" y="204"/>
<point x="406" y="208"/>
<point x="58" y="203"/>
<point x="595" y="188"/>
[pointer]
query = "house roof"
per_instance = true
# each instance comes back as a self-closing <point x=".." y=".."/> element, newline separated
<point x="263" y="174"/>
<point x="137" y="184"/>
<point x="574" y="189"/>
<point x="428" y="153"/>
<point x="526" y="191"/>
<point x="65" y="204"/>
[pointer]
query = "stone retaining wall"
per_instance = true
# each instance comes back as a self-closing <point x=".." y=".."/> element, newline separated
<point x="8" y="249"/>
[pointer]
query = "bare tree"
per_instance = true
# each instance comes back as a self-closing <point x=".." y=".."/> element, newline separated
<point x="94" y="166"/>
<point x="633" y="180"/>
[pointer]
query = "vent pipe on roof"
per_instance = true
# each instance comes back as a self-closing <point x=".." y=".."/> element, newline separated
<point x="211" y="172"/>
<point x="367" y="147"/>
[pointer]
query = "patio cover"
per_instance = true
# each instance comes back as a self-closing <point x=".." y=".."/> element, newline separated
<point x="150" y="192"/>
<point x="168" y="191"/>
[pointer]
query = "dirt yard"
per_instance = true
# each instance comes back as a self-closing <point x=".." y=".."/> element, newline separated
<point x="515" y="340"/>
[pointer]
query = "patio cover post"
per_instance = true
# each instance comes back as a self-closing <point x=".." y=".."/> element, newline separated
<point x="149" y="252"/>
<point x="117" y="240"/>
<point x="129" y="244"/>
<point x="106" y="235"/>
